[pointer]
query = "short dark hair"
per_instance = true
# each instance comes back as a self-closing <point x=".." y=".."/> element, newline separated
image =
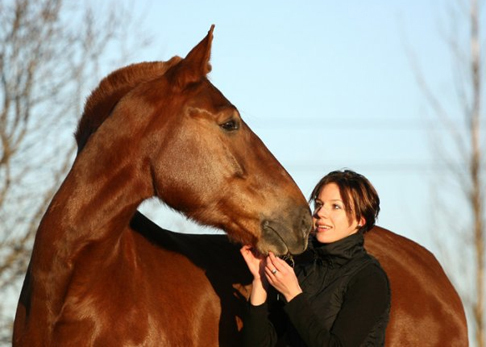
<point x="359" y="196"/>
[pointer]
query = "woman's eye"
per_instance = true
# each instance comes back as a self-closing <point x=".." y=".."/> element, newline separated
<point x="336" y="207"/>
<point x="231" y="125"/>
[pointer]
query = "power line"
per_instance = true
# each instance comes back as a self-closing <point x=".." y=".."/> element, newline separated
<point x="410" y="167"/>
<point x="349" y="124"/>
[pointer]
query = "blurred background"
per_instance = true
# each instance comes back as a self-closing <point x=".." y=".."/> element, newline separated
<point x="391" y="89"/>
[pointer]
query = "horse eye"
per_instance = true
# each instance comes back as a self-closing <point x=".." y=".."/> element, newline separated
<point x="231" y="125"/>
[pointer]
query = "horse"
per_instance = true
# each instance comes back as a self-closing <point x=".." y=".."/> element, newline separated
<point x="103" y="274"/>
<point x="152" y="129"/>
<point x="426" y="310"/>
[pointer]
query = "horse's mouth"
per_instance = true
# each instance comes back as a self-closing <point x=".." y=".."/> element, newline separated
<point x="272" y="241"/>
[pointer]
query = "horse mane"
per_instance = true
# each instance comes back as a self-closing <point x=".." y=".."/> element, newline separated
<point x="111" y="90"/>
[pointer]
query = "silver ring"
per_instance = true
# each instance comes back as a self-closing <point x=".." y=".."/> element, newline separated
<point x="274" y="271"/>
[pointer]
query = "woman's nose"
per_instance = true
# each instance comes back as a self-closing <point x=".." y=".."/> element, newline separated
<point x="320" y="212"/>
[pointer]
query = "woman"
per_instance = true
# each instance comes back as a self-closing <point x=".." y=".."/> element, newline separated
<point x="338" y="295"/>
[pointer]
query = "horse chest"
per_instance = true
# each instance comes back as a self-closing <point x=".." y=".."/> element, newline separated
<point x="169" y="300"/>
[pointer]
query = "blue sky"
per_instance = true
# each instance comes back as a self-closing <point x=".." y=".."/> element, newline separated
<point x="326" y="85"/>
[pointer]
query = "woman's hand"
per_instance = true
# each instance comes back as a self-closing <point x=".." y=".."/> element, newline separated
<point x="281" y="276"/>
<point x="256" y="265"/>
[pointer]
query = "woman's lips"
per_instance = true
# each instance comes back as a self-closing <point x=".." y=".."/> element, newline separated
<point x="323" y="227"/>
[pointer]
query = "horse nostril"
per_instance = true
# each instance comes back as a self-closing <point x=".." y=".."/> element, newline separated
<point x="306" y="224"/>
<point x="305" y="228"/>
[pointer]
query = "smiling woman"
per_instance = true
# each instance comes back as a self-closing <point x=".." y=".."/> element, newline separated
<point x="341" y="296"/>
<point x="348" y="201"/>
<point x="339" y="293"/>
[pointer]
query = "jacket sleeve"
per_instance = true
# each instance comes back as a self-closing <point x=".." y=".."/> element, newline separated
<point x="257" y="328"/>
<point x="365" y="302"/>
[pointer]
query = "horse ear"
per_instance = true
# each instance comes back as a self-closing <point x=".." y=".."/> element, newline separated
<point x="195" y="65"/>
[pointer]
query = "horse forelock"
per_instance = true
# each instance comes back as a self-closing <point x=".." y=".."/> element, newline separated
<point x="111" y="90"/>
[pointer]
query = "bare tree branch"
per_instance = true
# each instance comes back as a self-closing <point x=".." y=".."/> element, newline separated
<point x="465" y="167"/>
<point x="47" y="67"/>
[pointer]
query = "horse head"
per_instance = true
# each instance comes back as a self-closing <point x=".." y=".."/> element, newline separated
<point x="195" y="153"/>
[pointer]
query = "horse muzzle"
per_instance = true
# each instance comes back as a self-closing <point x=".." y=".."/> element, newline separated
<point x="288" y="235"/>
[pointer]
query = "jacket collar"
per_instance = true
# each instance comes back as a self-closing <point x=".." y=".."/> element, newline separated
<point x="340" y="252"/>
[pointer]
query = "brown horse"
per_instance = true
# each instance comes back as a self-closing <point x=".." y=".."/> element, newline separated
<point x="102" y="274"/>
<point x="152" y="129"/>
<point x="426" y="309"/>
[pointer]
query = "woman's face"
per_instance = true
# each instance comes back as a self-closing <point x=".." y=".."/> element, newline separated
<point x="331" y="222"/>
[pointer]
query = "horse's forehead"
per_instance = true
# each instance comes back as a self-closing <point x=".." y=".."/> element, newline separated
<point x="208" y="96"/>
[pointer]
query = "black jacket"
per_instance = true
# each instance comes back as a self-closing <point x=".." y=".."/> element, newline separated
<point x="345" y="301"/>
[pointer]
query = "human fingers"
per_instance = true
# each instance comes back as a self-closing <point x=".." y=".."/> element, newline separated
<point x="271" y="267"/>
<point x="250" y="251"/>
<point x="245" y="251"/>
<point x="276" y="278"/>
<point x="250" y="259"/>
<point x="271" y="273"/>
<point x="282" y="277"/>
<point x="274" y="269"/>
<point x="278" y="264"/>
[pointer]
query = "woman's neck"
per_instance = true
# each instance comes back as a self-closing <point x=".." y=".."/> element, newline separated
<point x="345" y="248"/>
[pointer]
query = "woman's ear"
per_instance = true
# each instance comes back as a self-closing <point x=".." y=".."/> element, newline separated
<point x="361" y="222"/>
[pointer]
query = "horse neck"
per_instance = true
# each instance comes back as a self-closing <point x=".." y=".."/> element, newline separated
<point x="88" y="214"/>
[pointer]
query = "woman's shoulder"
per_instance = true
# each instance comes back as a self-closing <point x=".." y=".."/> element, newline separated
<point x="371" y="274"/>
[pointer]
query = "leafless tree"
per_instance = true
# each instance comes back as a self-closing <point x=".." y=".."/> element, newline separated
<point x="51" y="54"/>
<point x="459" y="146"/>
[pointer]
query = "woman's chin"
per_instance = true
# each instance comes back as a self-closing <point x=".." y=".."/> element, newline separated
<point x="323" y="237"/>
